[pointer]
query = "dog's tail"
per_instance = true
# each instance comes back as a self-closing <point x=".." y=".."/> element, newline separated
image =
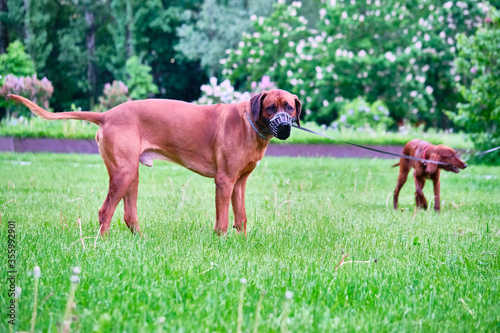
<point x="395" y="165"/>
<point x="94" y="117"/>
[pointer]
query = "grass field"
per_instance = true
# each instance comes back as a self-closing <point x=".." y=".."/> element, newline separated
<point x="423" y="272"/>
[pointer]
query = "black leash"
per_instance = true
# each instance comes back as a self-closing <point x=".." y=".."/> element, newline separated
<point x="373" y="149"/>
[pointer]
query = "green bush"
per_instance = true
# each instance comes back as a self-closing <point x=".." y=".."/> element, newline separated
<point x="361" y="115"/>
<point x="139" y="79"/>
<point x="16" y="61"/>
<point x="478" y="62"/>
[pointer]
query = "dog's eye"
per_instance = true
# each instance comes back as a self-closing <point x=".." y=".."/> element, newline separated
<point x="271" y="108"/>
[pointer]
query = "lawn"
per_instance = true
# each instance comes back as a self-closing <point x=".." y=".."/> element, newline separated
<point x="419" y="270"/>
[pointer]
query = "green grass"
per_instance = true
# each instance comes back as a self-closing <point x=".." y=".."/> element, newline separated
<point x="76" y="129"/>
<point x="434" y="272"/>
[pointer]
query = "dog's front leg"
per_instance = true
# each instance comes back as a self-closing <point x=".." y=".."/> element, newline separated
<point x="238" y="201"/>
<point x="419" y="191"/>
<point x="437" y="185"/>
<point x="223" y="190"/>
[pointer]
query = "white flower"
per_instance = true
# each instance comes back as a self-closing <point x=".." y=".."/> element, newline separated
<point x="413" y="93"/>
<point x="253" y="17"/>
<point x="409" y="77"/>
<point x="36" y="272"/>
<point x="325" y="103"/>
<point x="429" y="89"/>
<point x="161" y="320"/>
<point x="17" y="292"/>
<point x="213" y="81"/>
<point x="74" y="279"/>
<point x="418" y="45"/>
<point x="243" y="281"/>
<point x="448" y="5"/>
<point x="344" y="15"/>
<point x="389" y="56"/>
<point x="342" y="118"/>
<point x="289" y="295"/>
<point x="76" y="270"/>
<point x="362" y="53"/>
<point x="322" y="13"/>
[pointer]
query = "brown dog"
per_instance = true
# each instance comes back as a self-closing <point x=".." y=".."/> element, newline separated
<point x="425" y="150"/>
<point x="223" y="141"/>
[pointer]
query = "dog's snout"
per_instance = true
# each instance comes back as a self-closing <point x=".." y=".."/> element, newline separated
<point x="465" y="166"/>
<point x="284" y="130"/>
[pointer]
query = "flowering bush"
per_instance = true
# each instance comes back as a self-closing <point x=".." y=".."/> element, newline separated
<point x="113" y="94"/>
<point x="39" y="91"/>
<point x="397" y="51"/>
<point x="223" y="93"/>
<point x="270" y="50"/>
<point x="360" y="115"/>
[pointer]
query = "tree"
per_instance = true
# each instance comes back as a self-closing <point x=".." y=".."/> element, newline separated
<point x="478" y="64"/>
<point x="208" y="33"/>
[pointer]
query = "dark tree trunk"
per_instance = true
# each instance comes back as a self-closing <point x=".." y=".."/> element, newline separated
<point x="4" y="39"/>
<point x="27" y="30"/>
<point x="91" y="69"/>
<point x="129" y="35"/>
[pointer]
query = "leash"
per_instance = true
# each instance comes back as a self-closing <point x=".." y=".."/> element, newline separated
<point x="483" y="153"/>
<point x="373" y="149"/>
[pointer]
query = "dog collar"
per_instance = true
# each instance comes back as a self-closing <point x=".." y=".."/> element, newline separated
<point x="423" y="155"/>
<point x="256" y="130"/>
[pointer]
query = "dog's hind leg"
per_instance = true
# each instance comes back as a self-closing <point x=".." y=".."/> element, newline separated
<point x="404" y="169"/>
<point x="238" y="201"/>
<point x="130" y="206"/>
<point x="437" y="185"/>
<point x="122" y="161"/>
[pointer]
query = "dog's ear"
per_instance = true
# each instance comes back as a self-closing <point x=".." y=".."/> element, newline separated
<point x="298" y="109"/>
<point x="256" y="105"/>
<point x="432" y="167"/>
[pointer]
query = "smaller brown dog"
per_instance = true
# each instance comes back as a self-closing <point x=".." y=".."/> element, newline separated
<point x="425" y="150"/>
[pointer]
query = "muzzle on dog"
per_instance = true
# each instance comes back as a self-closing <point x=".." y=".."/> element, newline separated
<point x="281" y="125"/>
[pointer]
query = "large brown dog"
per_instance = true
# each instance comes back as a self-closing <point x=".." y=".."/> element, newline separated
<point x="422" y="149"/>
<point x="223" y="141"/>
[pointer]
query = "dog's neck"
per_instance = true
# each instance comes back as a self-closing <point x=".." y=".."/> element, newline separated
<point x="261" y="130"/>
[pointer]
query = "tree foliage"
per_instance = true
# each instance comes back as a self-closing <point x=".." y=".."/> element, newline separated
<point x="398" y="51"/>
<point x="209" y="32"/>
<point x="82" y="45"/>
<point x="478" y="63"/>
